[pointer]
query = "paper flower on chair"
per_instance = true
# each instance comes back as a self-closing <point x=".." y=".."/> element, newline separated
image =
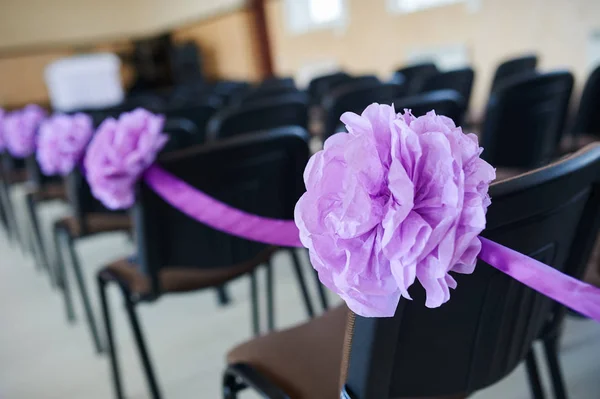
<point x="398" y="198"/>
<point x="62" y="141"/>
<point x="120" y="152"/>
<point x="2" y="144"/>
<point x="20" y="130"/>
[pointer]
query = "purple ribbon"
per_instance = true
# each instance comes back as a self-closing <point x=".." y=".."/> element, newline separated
<point x="579" y="296"/>
<point x="221" y="216"/>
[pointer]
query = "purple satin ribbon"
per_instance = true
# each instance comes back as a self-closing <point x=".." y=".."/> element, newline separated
<point x="579" y="296"/>
<point x="218" y="215"/>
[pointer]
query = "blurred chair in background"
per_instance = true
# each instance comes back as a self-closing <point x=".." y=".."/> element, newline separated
<point x="320" y="85"/>
<point x="415" y="76"/>
<point x="260" y="174"/>
<point x="460" y="80"/>
<point x="525" y="119"/>
<point x="199" y="113"/>
<point x="489" y="325"/>
<point x="586" y="127"/>
<point x="514" y="67"/>
<point x="355" y="96"/>
<point x="286" y="110"/>
<point x="444" y="102"/>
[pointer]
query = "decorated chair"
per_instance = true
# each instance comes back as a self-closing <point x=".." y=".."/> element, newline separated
<point x="514" y="67"/>
<point x="354" y="97"/>
<point x="290" y="109"/>
<point x="415" y="76"/>
<point x="478" y="337"/>
<point x="90" y="217"/>
<point x="199" y="113"/>
<point x="444" y="102"/>
<point x="530" y="111"/>
<point x="260" y="174"/>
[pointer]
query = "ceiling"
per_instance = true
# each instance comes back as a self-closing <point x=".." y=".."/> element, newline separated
<point x="38" y="23"/>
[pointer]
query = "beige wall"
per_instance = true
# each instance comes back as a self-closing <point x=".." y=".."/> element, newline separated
<point x="227" y="45"/>
<point x="377" y="41"/>
<point x="38" y="23"/>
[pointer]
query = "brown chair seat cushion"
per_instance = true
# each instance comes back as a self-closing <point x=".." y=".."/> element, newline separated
<point x="50" y="192"/>
<point x="174" y="279"/>
<point x="97" y="223"/>
<point x="303" y="361"/>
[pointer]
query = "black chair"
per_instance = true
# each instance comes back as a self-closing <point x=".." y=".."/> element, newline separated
<point x="514" y="67"/>
<point x="476" y="339"/>
<point x="415" y="76"/>
<point x="199" y="113"/>
<point x="320" y="85"/>
<point x="89" y="217"/>
<point x="260" y="174"/>
<point x="460" y="80"/>
<point x="273" y="82"/>
<point x="355" y="97"/>
<point x="286" y="110"/>
<point x="444" y="102"/>
<point x="253" y="95"/>
<point x="587" y="121"/>
<point x="525" y="119"/>
<point x="13" y="172"/>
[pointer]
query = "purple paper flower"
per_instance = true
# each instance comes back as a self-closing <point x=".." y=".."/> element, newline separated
<point x="62" y="141"/>
<point x="119" y="153"/>
<point x="20" y="130"/>
<point x="2" y="144"/>
<point x="398" y="198"/>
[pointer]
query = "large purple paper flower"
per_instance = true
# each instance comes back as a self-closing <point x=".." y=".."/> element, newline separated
<point x="2" y="144"/>
<point x="396" y="199"/>
<point x="62" y="141"/>
<point x="119" y="153"/>
<point x="20" y="130"/>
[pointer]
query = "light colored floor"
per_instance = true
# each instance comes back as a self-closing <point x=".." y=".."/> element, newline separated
<point x="41" y="356"/>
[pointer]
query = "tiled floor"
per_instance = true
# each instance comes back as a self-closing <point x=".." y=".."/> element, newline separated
<point x="41" y="356"/>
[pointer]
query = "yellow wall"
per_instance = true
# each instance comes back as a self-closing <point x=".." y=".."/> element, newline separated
<point x="227" y="45"/>
<point x="377" y="41"/>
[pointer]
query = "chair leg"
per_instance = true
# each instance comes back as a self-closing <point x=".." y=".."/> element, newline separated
<point x="533" y="374"/>
<point x="270" y="298"/>
<point x="37" y="242"/>
<point x="322" y="292"/>
<point x="87" y="306"/>
<point x="141" y="345"/>
<point x="112" y="353"/>
<point x="231" y="387"/>
<point x="254" y="302"/>
<point x="302" y="283"/>
<point x="61" y="274"/>
<point x="558" y="383"/>
<point x="223" y="296"/>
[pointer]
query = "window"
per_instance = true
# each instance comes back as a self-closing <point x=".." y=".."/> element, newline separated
<point x="407" y="6"/>
<point x="306" y="15"/>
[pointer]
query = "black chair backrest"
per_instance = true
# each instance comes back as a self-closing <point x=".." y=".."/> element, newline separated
<point x="258" y="173"/>
<point x="444" y="102"/>
<point x="198" y="113"/>
<point x="287" y="110"/>
<point x="460" y="80"/>
<point x="262" y="93"/>
<point x="415" y="75"/>
<point x="321" y="85"/>
<point x="273" y="82"/>
<point x="491" y="320"/>
<point x="355" y="97"/>
<point x="514" y="67"/>
<point x="525" y="119"/>
<point x="587" y="120"/>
